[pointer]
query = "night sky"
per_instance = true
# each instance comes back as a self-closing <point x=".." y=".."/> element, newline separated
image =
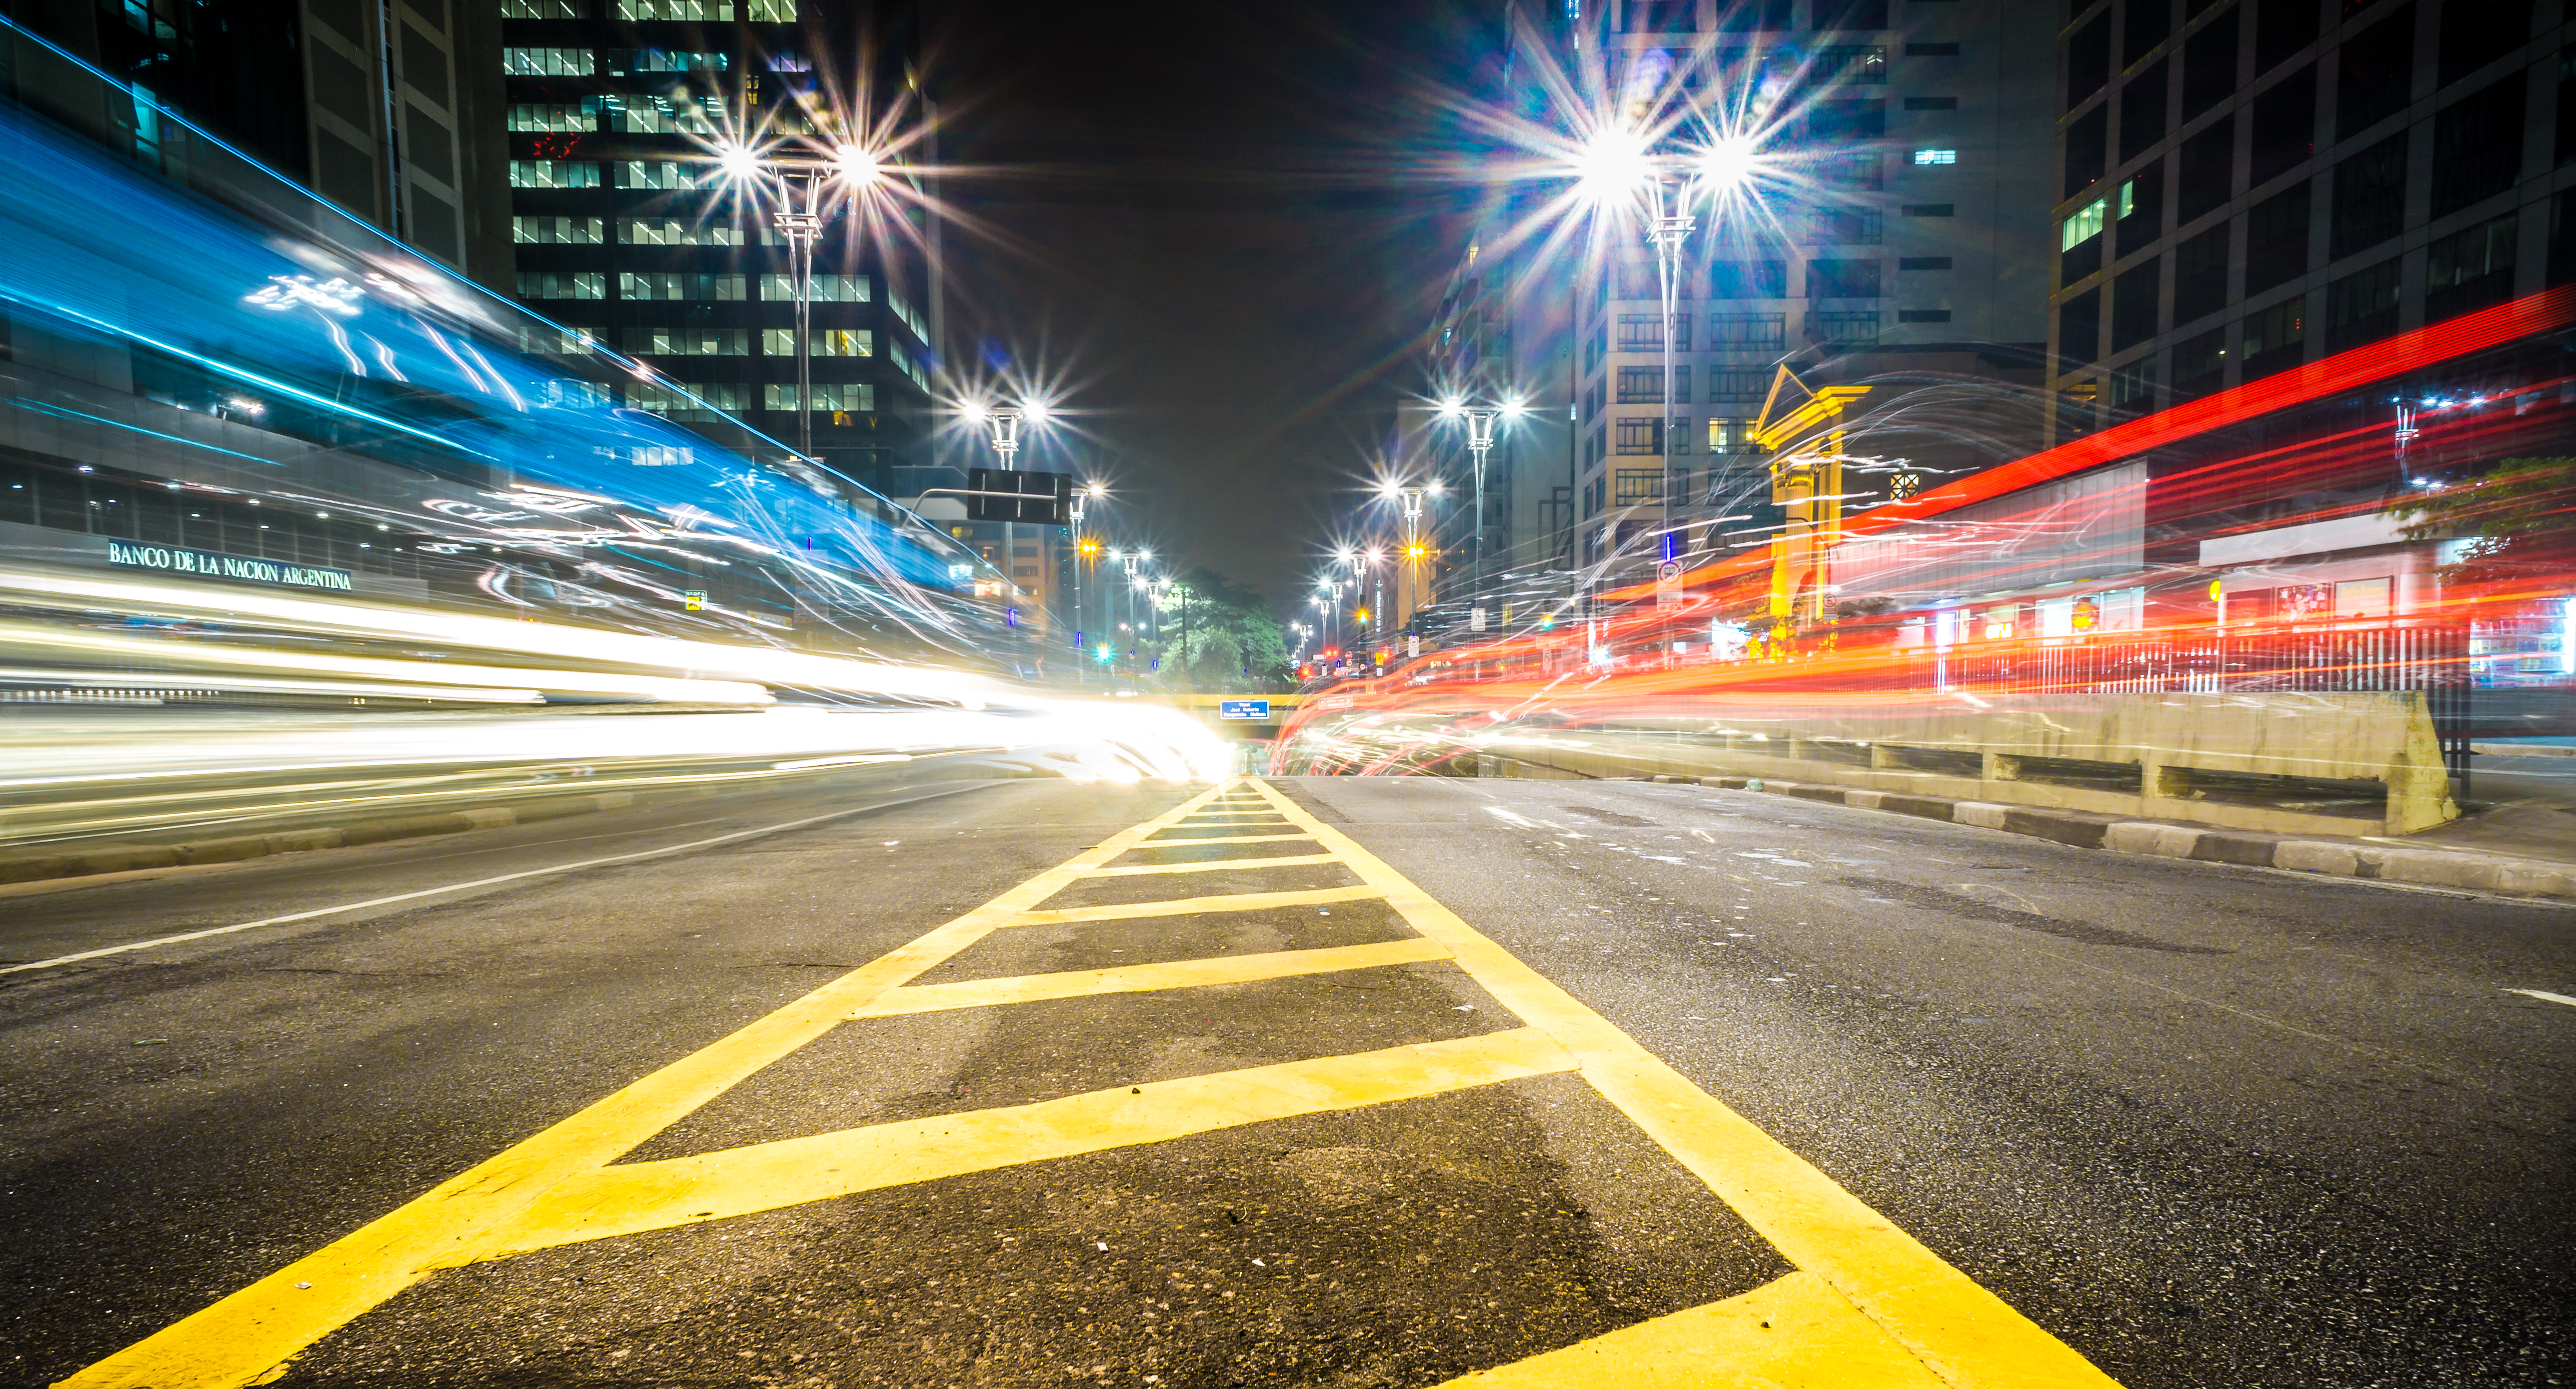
<point x="1210" y="221"/>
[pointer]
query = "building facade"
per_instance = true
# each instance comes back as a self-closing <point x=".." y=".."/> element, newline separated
<point x="2250" y="185"/>
<point x="626" y="233"/>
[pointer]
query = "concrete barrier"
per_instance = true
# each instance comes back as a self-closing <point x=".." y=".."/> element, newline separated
<point x="2279" y="763"/>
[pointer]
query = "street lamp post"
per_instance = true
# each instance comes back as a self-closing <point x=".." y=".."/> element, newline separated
<point x="1480" y="442"/>
<point x="853" y="167"/>
<point x="1666" y="230"/>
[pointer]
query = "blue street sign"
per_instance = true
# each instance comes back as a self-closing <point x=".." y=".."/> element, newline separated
<point x="1243" y="709"/>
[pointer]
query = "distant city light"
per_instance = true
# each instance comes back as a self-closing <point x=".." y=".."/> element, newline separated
<point x="1936" y="156"/>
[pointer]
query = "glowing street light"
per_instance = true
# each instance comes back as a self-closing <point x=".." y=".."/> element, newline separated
<point x="848" y="168"/>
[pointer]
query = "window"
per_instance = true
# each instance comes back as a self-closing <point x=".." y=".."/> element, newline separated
<point x="677" y="114"/>
<point x="554" y="115"/>
<point x="1829" y="121"/>
<point x="1864" y="63"/>
<point x="553" y="284"/>
<point x="1861" y="170"/>
<point x="1637" y="486"/>
<point x="769" y="11"/>
<point x="1755" y="331"/>
<point x="2140" y="213"/>
<point x="2208" y="67"/>
<point x="2282" y="28"/>
<point x="2285" y="125"/>
<point x="1660" y="16"/>
<point x="2088" y="60"/>
<point x="2088" y="150"/>
<point x="1636" y="434"/>
<point x="1738" y="383"/>
<point x="2200" y="364"/>
<point x="2133" y="304"/>
<point x="1753" y="14"/>
<point x="1936" y="156"/>
<point x="1749" y="279"/>
<point x="2369" y="196"/>
<point x="1929" y="209"/>
<point x="2469" y="270"/>
<point x="545" y="62"/>
<point x="2086" y="224"/>
<point x="2478" y="32"/>
<point x="679" y="60"/>
<point x="2200" y="276"/>
<point x="553" y="173"/>
<point x="2376" y="76"/>
<point x="823" y="289"/>
<point x="657" y="173"/>
<point x="1731" y="436"/>
<point x="1923" y="263"/>
<point x="825" y="342"/>
<point x="670" y="231"/>
<point x="1922" y="315"/>
<point x="1842" y="279"/>
<point x="2276" y="239"/>
<point x="1635" y="279"/>
<point x="2208" y="170"/>
<point x="852" y="396"/>
<point x="703" y="289"/>
<point x="549" y="231"/>
<point x="2147" y="24"/>
<point x="699" y="11"/>
<point x="1845" y="325"/>
<point x="1931" y="103"/>
<point x="2276" y="338"/>
<point x="2362" y="306"/>
<point x="1846" y="226"/>
<point x="554" y="342"/>
<point x="669" y="401"/>
<point x="2142" y="110"/>
<point x="1644" y="385"/>
<point x="1931" y="50"/>
<point x="1851" y="14"/>
<point x="1644" y="332"/>
<point x="542" y="9"/>
<point x="2134" y="385"/>
<point x="2477" y="145"/>
<point x="685" y="342"/>
<point x="2079" y="329"/>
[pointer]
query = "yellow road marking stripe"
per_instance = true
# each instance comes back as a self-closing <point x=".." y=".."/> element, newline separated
<point x="635" y="1197"/>
<point x="1186" y="906"/>
<point x="1176" y="974"/>
<point x="239" y="1340"/>
<point x="1964" y="1333"/>
<point x="1211" y="865"/>
<point x="1796" y="1331"/>
<point x="1220" y="839"/>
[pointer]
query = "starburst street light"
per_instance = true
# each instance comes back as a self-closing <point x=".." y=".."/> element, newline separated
<point x="1480" y="421"/>
<point x="847" y="170"/>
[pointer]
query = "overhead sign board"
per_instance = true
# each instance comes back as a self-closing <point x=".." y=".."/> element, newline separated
<point x="1255" y="709"/>
<point x="1041" y="499"/>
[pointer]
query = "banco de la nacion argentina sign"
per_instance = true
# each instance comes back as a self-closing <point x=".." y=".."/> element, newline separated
<point x="204" y="564"/>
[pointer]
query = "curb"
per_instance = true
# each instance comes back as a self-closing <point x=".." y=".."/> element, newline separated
<point x="2450" y="868"/>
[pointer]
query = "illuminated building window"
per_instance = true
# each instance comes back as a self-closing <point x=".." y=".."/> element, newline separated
<point x="679" y="60"/>
<point x="668" y="231"/>
<point x="2086" y="224"/>
<point x="824" y="289"/>
<point x="686" y="342"/>
<point x="554" y="173"/>
<point x="545" y="62"/>
<point x="1638" y="434"/>
<point x="563" y="284"/>
<point x="700" y="11"/>
<point x="1936" y="156"/>
<point x="542" y="9"/>
<point x="769" y="11"/>
<point x="833" y="396"/>
<point x="825" y="342"/>
<point x="704" y="289"/>
<point x="548" y="231"/>
<point x="657" y="173"/>
<point x="554" y="115"/>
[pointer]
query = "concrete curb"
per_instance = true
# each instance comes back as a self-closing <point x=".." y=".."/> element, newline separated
<point x="2452" y="868"/>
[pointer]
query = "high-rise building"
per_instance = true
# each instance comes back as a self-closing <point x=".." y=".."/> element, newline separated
<point x="1904" y="235"/>
<point x="628" y="233"/>
<point x="2246" y="187"/>
<point x="389" y="109"/>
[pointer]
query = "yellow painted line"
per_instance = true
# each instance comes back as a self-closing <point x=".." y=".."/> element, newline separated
<point x="242" y="1339"/>
<point x="635" y="1197"/>
<point x="1963" y="1333"/>
<point x="1176" y="974"/>
<point x="1796" y="1333"/>
<point x="1222" y="839"/>
<point x="1144" y="870"/>
<point x="1186" y="906"/>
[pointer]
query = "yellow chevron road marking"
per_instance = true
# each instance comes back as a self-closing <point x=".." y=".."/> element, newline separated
<point x="1222" y="839"/>
<point x="1210" y="865"/>
<point x="1964" y="1334"/>
<point x="634" y="1197"/>
<point x="1193" y="906"/>
<point x="1796" y="1333"/>
<point x="1178" y="974"/>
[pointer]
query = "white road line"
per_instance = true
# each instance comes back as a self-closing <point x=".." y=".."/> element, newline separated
<point x="2545" y="996"/>
<point x="479" y="882"/>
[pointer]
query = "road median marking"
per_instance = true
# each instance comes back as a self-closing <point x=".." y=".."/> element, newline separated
<point x="1222" y="839"/>
<point x="1144" y="870"/>
<point x="1196" y="906"/>
<point x="1177" y="974"/>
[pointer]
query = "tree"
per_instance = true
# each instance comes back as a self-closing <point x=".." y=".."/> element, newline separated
<point x="1218" y="633"/>
<point x="2519" y="519"/>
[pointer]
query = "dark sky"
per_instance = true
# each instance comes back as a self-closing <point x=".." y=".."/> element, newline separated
<point x="1207" y="220"/>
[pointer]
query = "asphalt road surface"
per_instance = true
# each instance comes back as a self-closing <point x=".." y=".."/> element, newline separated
<point x="1033" y="1083"/>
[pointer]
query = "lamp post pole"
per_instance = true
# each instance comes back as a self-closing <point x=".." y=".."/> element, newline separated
<point x="1666" y="230"/>
<point x="802" y="227"/>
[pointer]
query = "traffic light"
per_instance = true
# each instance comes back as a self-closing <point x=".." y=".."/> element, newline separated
<point x="1362" y="615"/>
<point x="1416" y="550"/>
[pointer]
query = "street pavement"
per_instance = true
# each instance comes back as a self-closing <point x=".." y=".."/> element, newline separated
<point x="1033" y="1083"/>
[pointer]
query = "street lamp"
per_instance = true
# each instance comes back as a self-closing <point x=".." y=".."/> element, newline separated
<point x="850" y="168"/>
<point x="1480" y="441"/>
